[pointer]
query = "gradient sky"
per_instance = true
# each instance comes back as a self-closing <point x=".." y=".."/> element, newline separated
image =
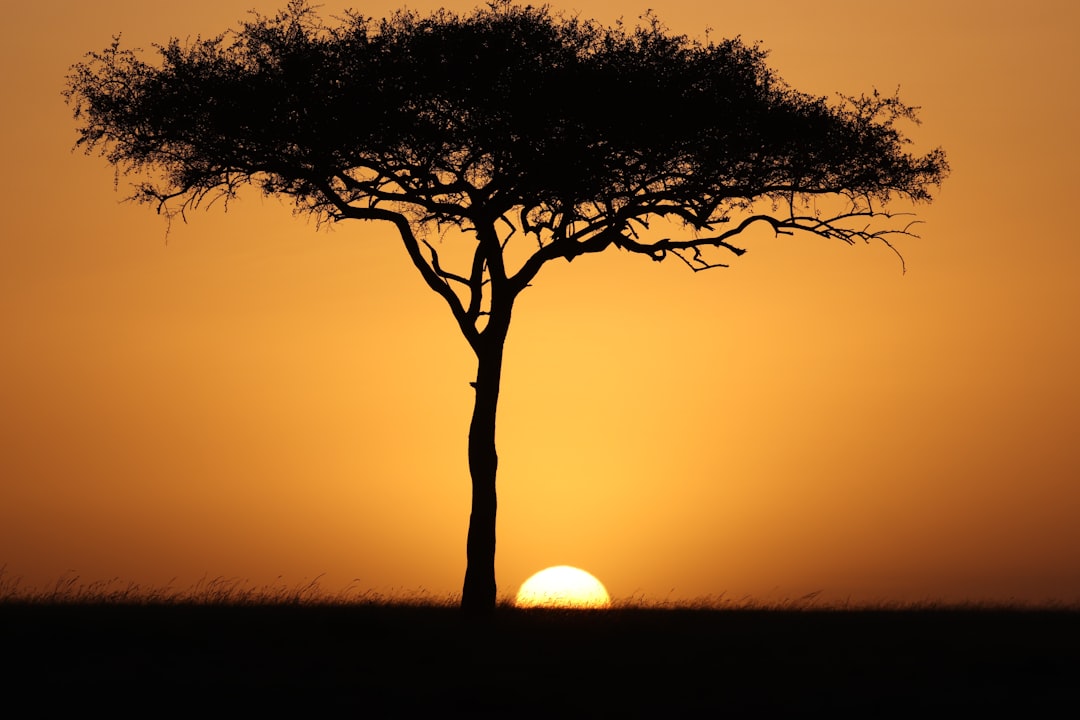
<point x="249" y="397"/>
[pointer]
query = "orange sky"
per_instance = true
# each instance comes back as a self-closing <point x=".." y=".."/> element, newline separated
<point x="252" y="398"/>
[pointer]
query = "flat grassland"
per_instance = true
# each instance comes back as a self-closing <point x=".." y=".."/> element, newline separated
<point x="385" y="659"/>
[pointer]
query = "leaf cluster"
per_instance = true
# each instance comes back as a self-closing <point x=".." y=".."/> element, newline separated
<point x="510" y="111"/>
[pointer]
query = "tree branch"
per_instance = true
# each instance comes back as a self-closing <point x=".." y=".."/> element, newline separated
<point x="600" y="234"/>
<point x="432" y="277"/>
<point x="440" y="271"/>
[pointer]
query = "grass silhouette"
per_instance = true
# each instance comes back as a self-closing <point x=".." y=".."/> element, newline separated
<point x="223" y="646"/>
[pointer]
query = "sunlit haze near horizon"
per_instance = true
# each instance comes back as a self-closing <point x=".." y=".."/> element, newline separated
<point x="247" y="396"/>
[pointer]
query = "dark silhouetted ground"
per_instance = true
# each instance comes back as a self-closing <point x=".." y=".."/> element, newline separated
<point x="157" y="660"/>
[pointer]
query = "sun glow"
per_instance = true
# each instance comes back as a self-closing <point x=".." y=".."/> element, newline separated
<point x="562" y="587"/>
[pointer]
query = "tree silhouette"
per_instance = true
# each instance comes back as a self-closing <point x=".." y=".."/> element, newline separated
<point x="529" y="135"/>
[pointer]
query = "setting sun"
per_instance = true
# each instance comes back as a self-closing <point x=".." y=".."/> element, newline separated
<point x="562" y="586"/>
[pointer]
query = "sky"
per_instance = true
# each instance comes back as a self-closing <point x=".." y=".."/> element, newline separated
<point x="245" y="396"/>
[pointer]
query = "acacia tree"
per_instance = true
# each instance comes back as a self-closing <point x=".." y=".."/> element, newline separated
<point x="530" y="135"/>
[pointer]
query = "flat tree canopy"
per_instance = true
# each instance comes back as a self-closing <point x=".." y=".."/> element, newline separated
<point x="539" y="135"/>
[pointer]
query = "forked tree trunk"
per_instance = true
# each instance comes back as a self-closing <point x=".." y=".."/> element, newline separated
<point x="478" y="594"/>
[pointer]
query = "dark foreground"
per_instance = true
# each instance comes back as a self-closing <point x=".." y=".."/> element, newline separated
<point x="395" y="661"/>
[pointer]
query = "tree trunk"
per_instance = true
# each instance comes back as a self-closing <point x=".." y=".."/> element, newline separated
<point x="478" y="594"/>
